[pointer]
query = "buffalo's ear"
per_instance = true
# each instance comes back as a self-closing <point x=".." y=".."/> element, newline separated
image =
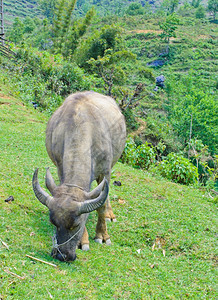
<point x="93" y="204"/>
<point x="41" y="195"/>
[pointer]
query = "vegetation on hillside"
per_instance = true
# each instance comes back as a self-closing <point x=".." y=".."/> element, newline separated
<point x="122" y="56"/>
<point x="160" y="66"/>
<point x="164" y="237"/>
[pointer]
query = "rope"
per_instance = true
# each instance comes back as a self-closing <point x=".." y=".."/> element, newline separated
<point x="74" y="185"/>
<point x="56" y="245"/>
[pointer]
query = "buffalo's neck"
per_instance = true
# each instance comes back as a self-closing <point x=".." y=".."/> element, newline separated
<point x="77" y="163"/>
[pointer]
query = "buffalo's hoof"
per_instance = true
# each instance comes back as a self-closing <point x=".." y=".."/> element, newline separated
<point x="98" y="241"/>
<point x="110" y="220"/>
<point x="108" y="242"/>
<point x="85" y="247"/>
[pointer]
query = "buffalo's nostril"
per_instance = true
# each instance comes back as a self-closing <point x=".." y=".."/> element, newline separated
<point x="71" y="257"/>
<point x="60" y="257"/>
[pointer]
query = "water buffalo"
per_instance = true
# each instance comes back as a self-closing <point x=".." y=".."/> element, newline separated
<point x="84" y="138"/>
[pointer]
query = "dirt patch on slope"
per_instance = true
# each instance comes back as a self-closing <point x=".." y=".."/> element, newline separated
<point x="3" y="96"/>
<point x="145" y="31"/>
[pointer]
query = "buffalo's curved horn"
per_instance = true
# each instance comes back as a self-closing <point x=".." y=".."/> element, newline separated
<point x="90" y="205"/>
<point x="96" y="192"/>
<point x="41" y="195"/>
<point x="49" y="182"/>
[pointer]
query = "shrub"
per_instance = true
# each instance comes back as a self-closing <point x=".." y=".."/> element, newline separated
<point x="135" y="9"/>
<point x="200" y="12"/>
<point x="142" y="156"/>
<point x="145" y="156"/>
<point x="178" y="169"/>
<point x="129" y="153"/>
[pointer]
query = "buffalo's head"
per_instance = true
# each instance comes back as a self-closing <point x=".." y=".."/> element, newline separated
<point x="69" y="206"/>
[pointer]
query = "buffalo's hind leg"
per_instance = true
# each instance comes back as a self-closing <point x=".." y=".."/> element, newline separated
<point x="109" y="215"/>
<point x="101" y="227"/>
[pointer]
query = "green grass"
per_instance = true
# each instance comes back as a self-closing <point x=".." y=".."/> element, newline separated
<point x="148" y="210"/>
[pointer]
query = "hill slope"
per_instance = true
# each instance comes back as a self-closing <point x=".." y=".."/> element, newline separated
<point x="21" y="9"/>
<point x="163" y="243"/>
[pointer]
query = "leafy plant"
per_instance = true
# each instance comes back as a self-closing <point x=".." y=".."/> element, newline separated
<point x="178" y="169"/>
<point x="146" y="156"/>
<point x="142" y="156"/>
<point x="47" y="78"/>
<point x="206" y="164"/>
<point x="129" y="155"/>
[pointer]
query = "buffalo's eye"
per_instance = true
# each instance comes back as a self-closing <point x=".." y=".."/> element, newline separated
<point x="74" y="224"/>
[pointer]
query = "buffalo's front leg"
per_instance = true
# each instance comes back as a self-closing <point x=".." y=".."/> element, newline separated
<point x="84" y="243"/>
<point x="101" y="228"/>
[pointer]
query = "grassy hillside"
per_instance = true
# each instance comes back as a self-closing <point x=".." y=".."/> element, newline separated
<point x="164" y="244"/>
<point x="21" y="9"/>
<point x="193" y="48"/>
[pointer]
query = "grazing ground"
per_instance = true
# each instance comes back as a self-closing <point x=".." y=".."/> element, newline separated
<point x="164" y="244"/>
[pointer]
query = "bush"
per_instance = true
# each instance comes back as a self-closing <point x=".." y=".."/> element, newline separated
<point x="47" y="78"/>
<point x="129" y="153"/>
<point x="142" y="156"/>
<point x="145" y="156"/>
<point x="135" y="9"/>
<point x="178" y="169"/>
<point x="200" y="12"/>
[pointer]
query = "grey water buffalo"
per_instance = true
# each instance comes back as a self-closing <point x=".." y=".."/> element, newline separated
<point x="84" y="138"/>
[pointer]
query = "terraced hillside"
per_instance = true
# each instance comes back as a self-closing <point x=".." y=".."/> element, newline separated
<point x="21" y="9"/>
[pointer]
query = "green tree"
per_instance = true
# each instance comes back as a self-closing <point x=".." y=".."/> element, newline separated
<point x="195" y="3"/>
<point x="108" y="68"/>
<point x="168" y="28"/>
<point x="57" y="22"/>
<point x="75" y="32"/>
<point x="109" y="37"/>
<point x="17" y="31"/>
<point x="66" y="30"/>
<point x="213" y="7"/>
<point x="193" y="113"/>
<point x="134" y="9"/>
<point x="48" y="8"/>
<point x="200" y="12"/>
<point x="62" y="22"/>
<point x="170" y="6"/>
<point x="29" y="25"/>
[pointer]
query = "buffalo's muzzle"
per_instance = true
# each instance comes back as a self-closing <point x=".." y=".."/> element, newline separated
<point x="63" y="257"/>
